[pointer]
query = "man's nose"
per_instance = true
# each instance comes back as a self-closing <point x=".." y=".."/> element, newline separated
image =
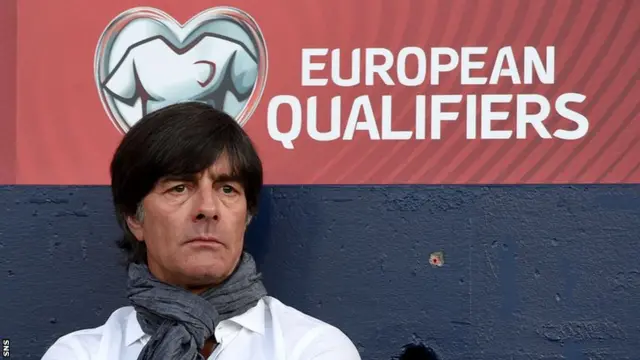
<point x="207" y="205"/>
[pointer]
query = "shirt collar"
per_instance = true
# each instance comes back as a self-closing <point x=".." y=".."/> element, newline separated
<point x="133" y="330"/>
<point x="252" y="319"/>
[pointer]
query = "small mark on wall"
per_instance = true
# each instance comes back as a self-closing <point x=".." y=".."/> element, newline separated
<point x="436" y="259"/>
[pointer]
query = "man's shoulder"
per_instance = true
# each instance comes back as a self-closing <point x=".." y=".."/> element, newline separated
<point x="84" y="343"/>
<point x="292" y="317"/>
<point x="308" y="335"/>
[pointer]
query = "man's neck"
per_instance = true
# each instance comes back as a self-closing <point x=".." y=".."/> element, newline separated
<point x="198" y="289"/>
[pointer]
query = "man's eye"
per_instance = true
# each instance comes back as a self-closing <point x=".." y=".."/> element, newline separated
<point x="228" y="189"/>
<point x="179" y="188"/>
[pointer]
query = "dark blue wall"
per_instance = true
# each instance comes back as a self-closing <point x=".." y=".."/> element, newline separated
<point x="529" y="272"/>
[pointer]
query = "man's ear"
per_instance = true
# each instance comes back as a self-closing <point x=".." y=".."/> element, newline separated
<point x="135" y="226"/>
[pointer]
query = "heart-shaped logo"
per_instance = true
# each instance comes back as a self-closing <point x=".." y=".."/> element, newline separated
<point x="146" y="60"/>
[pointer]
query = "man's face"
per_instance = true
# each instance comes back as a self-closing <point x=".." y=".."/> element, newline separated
<point x="194" y="228"/>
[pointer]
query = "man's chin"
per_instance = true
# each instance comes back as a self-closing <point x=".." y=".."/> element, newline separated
<point x="205" y="275"/>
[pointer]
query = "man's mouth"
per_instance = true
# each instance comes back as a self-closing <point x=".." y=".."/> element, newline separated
<point x="205" y="240"/>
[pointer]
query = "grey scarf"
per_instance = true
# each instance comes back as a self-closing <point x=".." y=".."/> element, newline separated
<point x="179" y="321"/>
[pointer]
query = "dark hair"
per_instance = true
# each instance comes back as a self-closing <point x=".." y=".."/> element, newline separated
<point x="178" y="140"/>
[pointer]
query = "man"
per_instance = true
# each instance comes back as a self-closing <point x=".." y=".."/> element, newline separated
<point x="185" y="182"/>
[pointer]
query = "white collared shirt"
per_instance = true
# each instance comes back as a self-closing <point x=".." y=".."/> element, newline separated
<point x="268" y="331"/>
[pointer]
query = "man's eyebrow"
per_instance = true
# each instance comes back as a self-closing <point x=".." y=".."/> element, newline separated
<point x="185" y="177"/>
<point x="227" y="178"/>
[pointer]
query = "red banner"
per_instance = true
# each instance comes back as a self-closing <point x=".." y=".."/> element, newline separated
<point x="334" y="92"/>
